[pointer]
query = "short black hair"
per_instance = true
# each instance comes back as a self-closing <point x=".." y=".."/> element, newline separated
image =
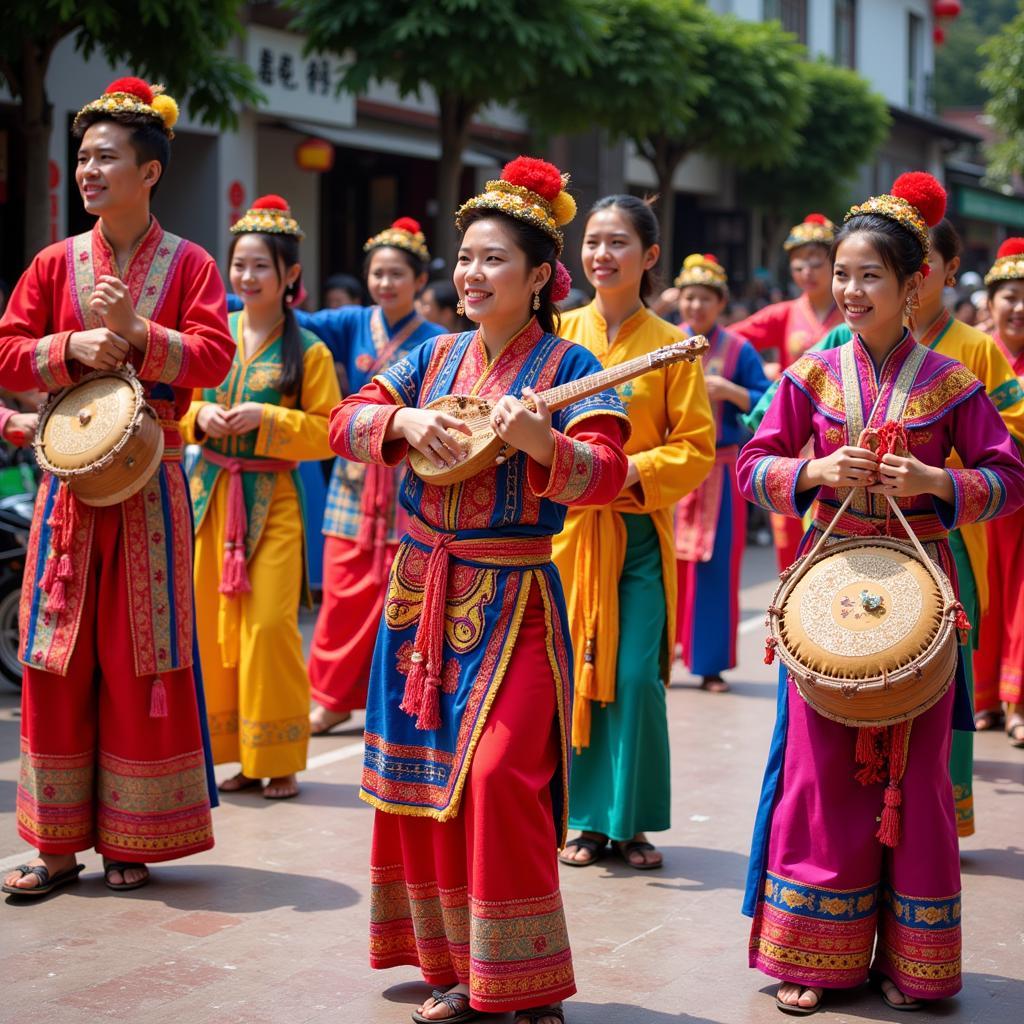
<point x="444" y="293"/>
<point x="344" y="283"/>
<point x="147" y="137"/>
<point x="945" y="240"/>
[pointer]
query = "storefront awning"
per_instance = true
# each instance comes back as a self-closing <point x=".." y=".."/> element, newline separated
<point x="982" y="204"/>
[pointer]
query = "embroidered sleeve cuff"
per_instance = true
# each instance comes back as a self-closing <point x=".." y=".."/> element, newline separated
<point x="165" y="356"/>
<point x="774" y="485"/>
<point x="50" y="363"/>
<point x="646" y="468"/>
<point x="270" y="433"/>
<point x="979" y="494"/>
<point x="571" y="476"/>
<point x="1007" y="395"/>
<point x="363" y="437"/>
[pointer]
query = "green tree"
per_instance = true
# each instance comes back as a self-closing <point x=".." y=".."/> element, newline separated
<point x="678" y="79"/>
<point x="846" y="123"/>
<point x="180" y="45"/>
<point x="1002" y="77"/>
<point x="959" y="61"/>
<point x="469" y="52"/>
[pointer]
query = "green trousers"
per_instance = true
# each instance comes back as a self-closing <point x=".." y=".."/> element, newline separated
<point x="961" y="757"/>
<point x="620" y="784"/>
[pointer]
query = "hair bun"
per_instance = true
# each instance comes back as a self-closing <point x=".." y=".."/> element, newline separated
<point x="536" y="175"/>
<point x="1011" y="247"/>
<point x="409" y="224"/>
<point x="924" y="193"/>
<point x="271" y="202"/>
<point x="133" y="87"/>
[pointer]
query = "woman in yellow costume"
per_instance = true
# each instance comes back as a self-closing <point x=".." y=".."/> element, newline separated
<point x="618" y="563"/>
<point x="270" y="412"/>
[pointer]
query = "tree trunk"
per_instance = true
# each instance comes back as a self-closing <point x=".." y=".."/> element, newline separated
<point x="37" y="123"/>
<point x="455" y="116"/>
<point x="664" y="157"/>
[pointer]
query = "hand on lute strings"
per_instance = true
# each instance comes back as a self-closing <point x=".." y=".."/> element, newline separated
<point x="527" y="429"/>
<point x="426" y="430"/>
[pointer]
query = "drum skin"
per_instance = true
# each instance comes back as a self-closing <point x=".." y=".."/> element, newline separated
<point x="867" y="631"/>
<point x="101" y="438"/>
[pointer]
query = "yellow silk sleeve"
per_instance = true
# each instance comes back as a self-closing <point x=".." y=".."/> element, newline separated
<point x="300" y="432"/>
<point x="187" y="423"/>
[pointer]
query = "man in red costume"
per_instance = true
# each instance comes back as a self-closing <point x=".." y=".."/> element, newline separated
<point x="113" y="751"/>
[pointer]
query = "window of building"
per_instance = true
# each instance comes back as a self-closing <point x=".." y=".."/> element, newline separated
<point x="915" y="62"/>
<point x="845" y="25"/>
<point x="791" y="13"/>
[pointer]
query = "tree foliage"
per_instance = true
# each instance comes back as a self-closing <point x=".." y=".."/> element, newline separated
<point x="1003" y="77"/>
<point x="959" y="61"/>
<point x="469" y="52"/>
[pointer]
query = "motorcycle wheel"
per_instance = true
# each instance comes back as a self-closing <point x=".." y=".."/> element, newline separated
<point x="10" y="599"/>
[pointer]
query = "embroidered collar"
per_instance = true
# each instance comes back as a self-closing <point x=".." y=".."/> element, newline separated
<point x="938" y="330"/>
<point x="893" y="360"/>
<point x="150" y="235"/>
<point x="394" y="328"/>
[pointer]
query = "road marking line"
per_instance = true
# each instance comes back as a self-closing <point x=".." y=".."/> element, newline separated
<point x="637" y="938"/>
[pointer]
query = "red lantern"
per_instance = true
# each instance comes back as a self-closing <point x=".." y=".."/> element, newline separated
<point x="938" y="35"/>
<point x="315" y="155"/>
<point x="947" y="8"/>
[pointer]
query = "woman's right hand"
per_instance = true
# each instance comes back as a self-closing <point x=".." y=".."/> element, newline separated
<point x="426" y="430"/>
<point x="845" y="467"/>
<point x="211" y="421"/>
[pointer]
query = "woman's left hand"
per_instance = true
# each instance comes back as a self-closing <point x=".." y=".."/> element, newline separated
<point x="903" y="476"/>
<point x="244" y="417"/>
<point x="529" y="431"/>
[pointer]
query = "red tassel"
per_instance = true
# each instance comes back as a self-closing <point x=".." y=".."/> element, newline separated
<point x="414" y="687"/>
<point x="56" y="601"/>
<point x="158" y="699"/>
<point x="871" y="753"/>
<point x="769" y="650"/>
<point x="889" y="831"/>
<point x="64" y="569"/>
<point x="963" y="626"/>
<point x="234" y="577"/>
<point x="49" y="574"/>
<point x="430" y="706"/>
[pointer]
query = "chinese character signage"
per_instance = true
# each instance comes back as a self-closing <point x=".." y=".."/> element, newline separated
<point x="295" y="85"/>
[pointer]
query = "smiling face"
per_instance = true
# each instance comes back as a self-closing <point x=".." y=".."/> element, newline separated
<point x="1007" y="306"/>
<point x="492" y="276"/>
<point x="700" y="307"/>
<point x="811" y="273"/>
<point x="256" y="278"/>
<point x="392" y="282"/>
<point x="867" y="292"/>
<point x="109" y="177"/>
<point x="614" y="258"/>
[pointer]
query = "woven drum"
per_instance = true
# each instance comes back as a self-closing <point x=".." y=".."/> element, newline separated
<point x="101" y="438"/>
<point x="867" y="629"/>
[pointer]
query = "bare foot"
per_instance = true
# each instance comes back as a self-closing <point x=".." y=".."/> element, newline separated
<point x="55" y="863"/>
<point x="894" y="995"/>
<point x="798" y="995"/>
<point x="239" y="782"/>
<point x="433" y="1009"/>
<point x="322" y="721"/>
<point x="714" y="684"/>
<point x="580" y="854"/>
<point x="281" y="787"/>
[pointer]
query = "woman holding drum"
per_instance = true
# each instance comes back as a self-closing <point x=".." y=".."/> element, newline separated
<point x="856" y="835"/>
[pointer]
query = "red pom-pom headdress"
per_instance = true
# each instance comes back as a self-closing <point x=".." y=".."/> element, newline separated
<point x="128" y="98"/>
<point x="404" y="233"/>
<point x="530" y="190"/>
<point x="814" y="229"/>
<point x="268" y="215"/>
<point x="1009" y="264"/>
<point x="916" y="202"/>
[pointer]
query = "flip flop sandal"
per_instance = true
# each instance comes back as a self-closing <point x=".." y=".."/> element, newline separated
<point x="985" y="720"/>
<point x="123" y="866"/>
<point x="457" y="1002"/>
<point x="594" y="847"/>
<point x="799" y="1011"/>
<point x="538" y="1013"/>
<point x="47" y="883"/>
<point x="714" y="684"/>
<point x="246" y="784"/>
<point x="1015" y="730"/>
<point x="625" y="849"/>
<point x="904" y="1007"/>
<point x="329" y="730"/>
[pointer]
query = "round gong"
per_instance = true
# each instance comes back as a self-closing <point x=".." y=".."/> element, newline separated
<point x="88" y="422"/>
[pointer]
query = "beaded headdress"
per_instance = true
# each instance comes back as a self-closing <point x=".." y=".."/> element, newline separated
<point x="268" y="215"/>
<point x="916" y="202"/>
<point x="132" y="97"/>
<point x="814" y="229"/>
<point x="530" y="190"/>
<point x="703" y="269"/>
<point x="1009" y="264"/>
<point x="404" y="233"/>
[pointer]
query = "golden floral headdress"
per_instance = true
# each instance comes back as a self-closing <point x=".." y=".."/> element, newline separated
<point x="916" y="201"/>
<point x="814" y="229"/>
<point x="404" y="233"/>
<point x="268" y="215"/>
<point x="532" y="191"/>
<point x="1009" y="264"/>
<point x="703" y="269"/>
<point x="133" y="96"/>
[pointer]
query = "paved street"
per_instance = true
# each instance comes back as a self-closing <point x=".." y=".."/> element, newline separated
<point x="270" y="926"/>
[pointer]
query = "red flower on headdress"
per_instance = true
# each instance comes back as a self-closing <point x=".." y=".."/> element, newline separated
<point x="536" y="175"/>
<point x="815" y="218"/>
<point x="711" y="257"/>
<point x="924" y="193"/>
<point x="271" y="202"/>
<point x="1011" y="247"/>
<point x="134" y="87"/>
<point x="407" y="224"/>
<point x="562" y="284"/>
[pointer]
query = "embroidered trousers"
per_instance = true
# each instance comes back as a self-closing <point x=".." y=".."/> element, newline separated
<point x="96" y="769"/>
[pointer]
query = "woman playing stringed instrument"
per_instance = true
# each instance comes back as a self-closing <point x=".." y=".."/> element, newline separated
<point x="467" y="712"/>
<point x="855" y="866"/>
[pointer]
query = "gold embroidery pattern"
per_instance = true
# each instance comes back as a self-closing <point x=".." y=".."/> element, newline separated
<point x="272" y="733"/>
<point x="152" y="787"/>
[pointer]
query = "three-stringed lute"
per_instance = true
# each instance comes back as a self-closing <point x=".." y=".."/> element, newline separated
<point x="484" y="446"/>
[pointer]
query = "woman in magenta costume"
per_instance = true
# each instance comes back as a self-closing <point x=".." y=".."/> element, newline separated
<point x="469" y="704"/>
<point x="794" y="326"/>
<point x="828" y="887"/>
<point x="999" y="662"/>
<point x="711" y="521"/>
